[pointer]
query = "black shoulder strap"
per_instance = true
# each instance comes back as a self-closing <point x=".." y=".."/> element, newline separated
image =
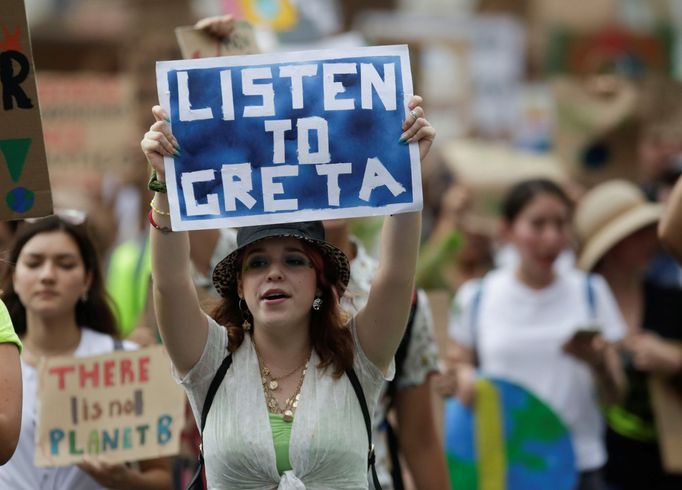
<point x="392" y="390"/>
<point x="197" y="483"/>
<point x="355" y="382"/>
<point x="401" y="353"/>
<point x="213" y="388"/>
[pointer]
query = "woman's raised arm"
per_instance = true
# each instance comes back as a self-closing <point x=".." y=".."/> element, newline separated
<point x="671" y="223"/>
<point x="182" y="323"/>
<point x="381" y="323"/>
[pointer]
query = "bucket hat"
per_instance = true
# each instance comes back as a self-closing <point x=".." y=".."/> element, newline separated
<point x="312" y="232"/>
<point x="607" y="214"/>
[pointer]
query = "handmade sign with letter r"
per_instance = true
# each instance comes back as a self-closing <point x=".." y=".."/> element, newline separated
<point x="286" y="137"/>
<point x="24" y="182"/>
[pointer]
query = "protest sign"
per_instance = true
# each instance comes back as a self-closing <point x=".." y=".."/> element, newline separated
<point x="287" y="137"/>
<point x="24" y="181"/>
<point x="489" y="170"/>
<point x="122" y="406"/>
<point x="633" y="53"/>
<point x="280" y="15"/>
<point x="597" y="128"/>
<point x="88" y="119"/>
<point x="666" y="398"/>
<point x="196" y="43"/>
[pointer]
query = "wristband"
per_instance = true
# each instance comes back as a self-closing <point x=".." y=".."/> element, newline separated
<point x="163" y="229"/>
<point x="155" y="184"/>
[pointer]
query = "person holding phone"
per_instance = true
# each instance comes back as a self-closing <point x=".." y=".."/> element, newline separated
<point x="550" y="329"/>
<point x="617" y="229"/>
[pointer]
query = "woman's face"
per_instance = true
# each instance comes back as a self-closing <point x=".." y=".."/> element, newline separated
<point x="540" y="231"/>
<point x="278" y="282"/>
<point x="50" y="276"/>
<point x="636" y="250"/>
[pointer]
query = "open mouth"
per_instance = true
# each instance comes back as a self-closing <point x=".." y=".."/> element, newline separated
<point x="274" y="296"/>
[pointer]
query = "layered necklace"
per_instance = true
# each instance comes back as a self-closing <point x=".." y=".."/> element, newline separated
<point x="271" y="385"/>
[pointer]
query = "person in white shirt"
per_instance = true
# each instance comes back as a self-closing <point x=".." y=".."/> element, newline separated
<point x="55" y="296"/>
<point x="548" y="329"/>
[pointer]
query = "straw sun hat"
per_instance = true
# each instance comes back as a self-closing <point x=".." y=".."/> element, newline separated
<point x="607" y="214"/>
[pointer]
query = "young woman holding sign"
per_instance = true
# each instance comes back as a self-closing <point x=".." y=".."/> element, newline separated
<point x="55" y="296"/>
<point x="285" y="415"/>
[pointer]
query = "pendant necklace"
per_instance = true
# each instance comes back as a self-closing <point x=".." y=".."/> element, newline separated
<point x="271" y="385"/>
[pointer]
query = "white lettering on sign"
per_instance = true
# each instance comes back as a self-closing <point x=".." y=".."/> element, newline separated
<point x="376" y="175"/>
<point x="332" y="171"/>
<point x="237" y="184"/>
<point x="296" y="73"/>
<point x="264" y="90"/>
<point x="319" y="126"/>
<point x="272" y="188"/>
<point x="187" y="182"/>
<point x="184" y="105"/>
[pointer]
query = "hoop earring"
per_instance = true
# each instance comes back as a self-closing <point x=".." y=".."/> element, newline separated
<point x="317" y="303"/>
<point x="246" y="325"/>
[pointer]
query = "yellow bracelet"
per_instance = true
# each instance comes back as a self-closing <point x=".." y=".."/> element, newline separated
<point x="157" y="210"/>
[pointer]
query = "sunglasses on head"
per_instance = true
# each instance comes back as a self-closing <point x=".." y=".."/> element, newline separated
<point x="71" y="216"/>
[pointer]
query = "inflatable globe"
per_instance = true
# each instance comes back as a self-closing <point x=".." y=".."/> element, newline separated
<point x="509" y="440"/>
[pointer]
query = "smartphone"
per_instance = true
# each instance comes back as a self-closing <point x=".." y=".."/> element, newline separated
<point x="586" y="334"/>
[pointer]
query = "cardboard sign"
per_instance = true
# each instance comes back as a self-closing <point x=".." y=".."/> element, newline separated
<point x="596" y="131"/>
<point x="195" y="43"/>
<point x="24" y="181"/>
<point x="667" y="403"/>
<point x="632" y="53"/>
<point x="89" y="119"/>
<point x="122" y="406"/>
<point x="289" y="137"/>
<point x="489" y="170"/>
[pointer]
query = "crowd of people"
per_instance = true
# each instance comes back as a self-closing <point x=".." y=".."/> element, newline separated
<point x="315" y="362"/>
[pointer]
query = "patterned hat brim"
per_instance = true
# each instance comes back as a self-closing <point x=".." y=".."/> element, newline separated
<point x="226" y="272"/>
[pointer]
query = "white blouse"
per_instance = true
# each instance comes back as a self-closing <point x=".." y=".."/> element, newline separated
<point x="328" y="446"/>
<point x="20" y="472"/>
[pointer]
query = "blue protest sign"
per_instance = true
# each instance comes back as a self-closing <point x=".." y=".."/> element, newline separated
<point x="289" y="137"/>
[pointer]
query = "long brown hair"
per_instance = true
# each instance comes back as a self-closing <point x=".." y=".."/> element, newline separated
<point x="95" y="312"/>
<point x="329" y="335"/>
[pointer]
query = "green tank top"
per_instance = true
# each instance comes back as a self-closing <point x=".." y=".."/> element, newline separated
<point x="281" y="434"/>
